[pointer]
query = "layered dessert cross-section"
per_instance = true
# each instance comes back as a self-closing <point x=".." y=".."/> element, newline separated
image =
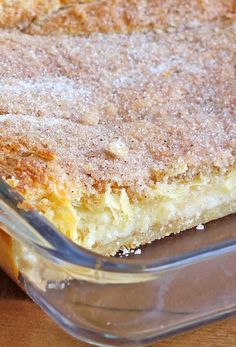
<point x="120" y="139"/>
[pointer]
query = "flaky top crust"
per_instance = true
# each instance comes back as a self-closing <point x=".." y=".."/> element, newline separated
<point x="129" y="110"/>
<point x="89" y="16"/>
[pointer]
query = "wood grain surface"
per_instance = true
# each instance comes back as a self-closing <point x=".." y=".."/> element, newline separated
<point x="23" y="324"/>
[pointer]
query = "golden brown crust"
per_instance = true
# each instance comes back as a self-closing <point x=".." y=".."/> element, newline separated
<point x="169" y="98"/>
<point x="130" y="15"/>
<point x="88" y="16"/>
<point x="19" y="13"/>
<point x="29" y="163"/>
<point x="7" y="261"/>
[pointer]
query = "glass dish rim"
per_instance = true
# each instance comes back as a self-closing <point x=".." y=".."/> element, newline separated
<point x="64" y="250"/>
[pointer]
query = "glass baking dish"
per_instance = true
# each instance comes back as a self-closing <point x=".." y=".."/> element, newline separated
<point x="174" y="285"/>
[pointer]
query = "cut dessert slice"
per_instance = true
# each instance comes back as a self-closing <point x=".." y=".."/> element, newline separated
<point x="121" y="139"/>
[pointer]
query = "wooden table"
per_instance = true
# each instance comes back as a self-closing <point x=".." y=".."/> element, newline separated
<point x="23" y="324"/>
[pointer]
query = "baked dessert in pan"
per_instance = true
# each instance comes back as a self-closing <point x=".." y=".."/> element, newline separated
<point x="126" y="134"/>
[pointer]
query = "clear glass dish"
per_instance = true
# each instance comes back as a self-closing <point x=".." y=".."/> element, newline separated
<point x="174" y="285"/>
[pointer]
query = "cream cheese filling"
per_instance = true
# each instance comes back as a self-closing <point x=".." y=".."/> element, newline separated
<point x="101" y="219"/>
<point x="110" y="216"/>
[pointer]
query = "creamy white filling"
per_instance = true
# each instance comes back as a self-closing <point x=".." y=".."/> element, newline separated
<point x="113" y="216"/>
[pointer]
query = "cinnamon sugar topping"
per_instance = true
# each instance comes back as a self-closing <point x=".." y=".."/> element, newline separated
<point x="169" y="97"/>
